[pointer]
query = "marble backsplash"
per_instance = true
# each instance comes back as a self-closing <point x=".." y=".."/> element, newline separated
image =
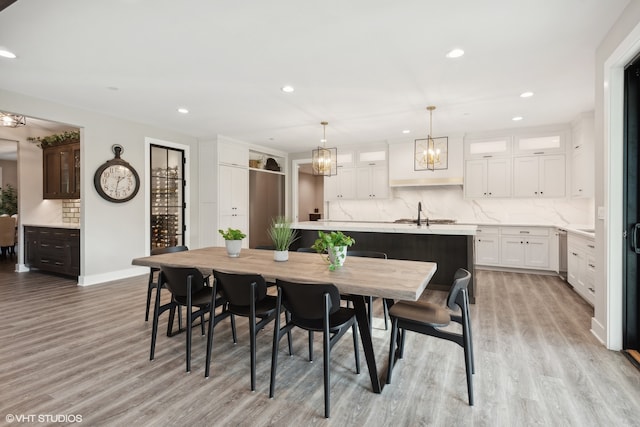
<point x="448" y="202"/>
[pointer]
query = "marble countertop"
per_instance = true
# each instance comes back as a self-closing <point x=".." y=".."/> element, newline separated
<point x="69" y="225"/>
<point x="387" y="227"/>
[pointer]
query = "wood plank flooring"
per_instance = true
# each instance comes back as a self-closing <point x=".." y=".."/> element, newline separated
<point x="85" y="351"/>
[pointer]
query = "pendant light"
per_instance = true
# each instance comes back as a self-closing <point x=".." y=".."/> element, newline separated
<point x="324" y="160"/>
<point x="431" y="153"/>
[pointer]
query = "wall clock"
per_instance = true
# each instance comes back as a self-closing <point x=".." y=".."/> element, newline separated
<point x="116" y="180"/>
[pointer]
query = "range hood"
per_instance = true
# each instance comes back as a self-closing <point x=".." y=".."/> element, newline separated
<point x="419" y="182"/>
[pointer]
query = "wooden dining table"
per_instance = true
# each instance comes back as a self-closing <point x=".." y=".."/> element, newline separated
<point x="357" y="279"/>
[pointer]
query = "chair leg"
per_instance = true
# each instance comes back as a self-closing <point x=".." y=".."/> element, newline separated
<point x="233" y="329"/>
<point x="468" y="324"/>
<point x="326" y="364"/>
<point x="252" y="337"/>
<point x="189" y="333"/>
<point x="274" y="353"/>
<point x="310" y="346"/>
<point x="392" y="348"/>
<point x="212" y="314"/>
<point x="287" y="317"/>
<point x="469" y="367"/>
<point x="403" y="335"/>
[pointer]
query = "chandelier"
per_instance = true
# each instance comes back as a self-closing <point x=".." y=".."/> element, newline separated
<point x="430" y="153"/>
<point x="324" y="160"/>
<point x="12" y="120"/>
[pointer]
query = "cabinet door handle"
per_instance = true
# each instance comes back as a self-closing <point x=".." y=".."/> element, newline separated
<point x="634" y="238"/>
<point x="539" y="152"/>
<point x="524" y="232"/>
<point x="591" y="265"/>
<point x="593" y="291"/>
<point x="591" y="246"/>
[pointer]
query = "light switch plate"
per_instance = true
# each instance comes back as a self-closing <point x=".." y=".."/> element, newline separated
<point x="600" y="212"/>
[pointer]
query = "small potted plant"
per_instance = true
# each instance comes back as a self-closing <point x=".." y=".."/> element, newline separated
<point x="282" y="236"/>
<point x="335" y="244"/>
<point x="233" y="241"/>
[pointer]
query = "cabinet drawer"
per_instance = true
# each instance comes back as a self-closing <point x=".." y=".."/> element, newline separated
<point x="487" y="230"/>
<point x="524" y="231"/>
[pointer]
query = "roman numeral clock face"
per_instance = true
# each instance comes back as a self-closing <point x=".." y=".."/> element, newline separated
<point x="116" y="180"/>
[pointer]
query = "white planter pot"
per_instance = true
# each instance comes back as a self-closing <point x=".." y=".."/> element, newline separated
<point x="281" y="255"/>
<point x="233" y="247"/>
<point x="337" y="255"/>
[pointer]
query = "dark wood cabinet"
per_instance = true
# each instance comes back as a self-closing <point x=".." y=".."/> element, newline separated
<point x="53" y="249"/>
<point x="61" y="171"/>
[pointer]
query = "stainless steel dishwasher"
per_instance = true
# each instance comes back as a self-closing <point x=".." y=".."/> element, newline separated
<point x="562" y="253"/>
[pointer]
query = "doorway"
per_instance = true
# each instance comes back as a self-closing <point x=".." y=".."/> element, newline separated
<point x="631" y="189"/>
<point x="167" y="204"/>
<point x="308" y="193"/>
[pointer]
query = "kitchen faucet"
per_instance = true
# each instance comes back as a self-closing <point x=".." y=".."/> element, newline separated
<point x="419" y="211"/>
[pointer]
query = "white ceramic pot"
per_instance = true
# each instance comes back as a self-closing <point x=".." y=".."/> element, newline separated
<point x="337" y="255"/>
<point x="281" y="255"/>
<point x="233" y="247"/>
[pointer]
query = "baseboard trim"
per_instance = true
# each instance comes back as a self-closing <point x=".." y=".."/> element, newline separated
<point x="96" y="279"/>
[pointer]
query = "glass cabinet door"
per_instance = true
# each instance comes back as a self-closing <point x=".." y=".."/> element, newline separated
<point x="167" y="197"/>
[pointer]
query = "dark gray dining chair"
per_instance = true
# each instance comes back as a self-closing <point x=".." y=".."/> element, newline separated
<point x="314" y="307"/>
<point x="428" y="319"/>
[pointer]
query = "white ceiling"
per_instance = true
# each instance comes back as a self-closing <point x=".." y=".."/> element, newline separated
<point x="368" y="67"/>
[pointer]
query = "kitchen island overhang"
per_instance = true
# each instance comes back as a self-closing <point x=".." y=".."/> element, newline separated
<point x="449" y="245"/>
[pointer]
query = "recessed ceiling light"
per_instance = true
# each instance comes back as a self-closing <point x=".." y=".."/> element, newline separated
<point x="406" y="131"/>
<point x="455" y="53"/>
<point x="183" y="111"/>
<point x="517" y="118"/>
<point x="287" y="89"/>
<point x="526" y="94"/>
<point x="113" y="88"/>
<point x="7" y="54"/>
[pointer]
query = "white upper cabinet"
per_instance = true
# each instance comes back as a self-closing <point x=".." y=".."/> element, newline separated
<point x="539" y="176"/>
<point x="531" y="163"/>
<point x="582" y="160"/>
<point x="233" y="154"/>
<point x="538" y="144"/>
<point x="362" y="174"/>
<point x="341" y="186"/>
<point x="487" y="178"/>
<point x="484" y="148"/>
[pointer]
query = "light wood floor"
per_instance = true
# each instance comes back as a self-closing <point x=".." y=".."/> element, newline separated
<point x="85" y="351"/>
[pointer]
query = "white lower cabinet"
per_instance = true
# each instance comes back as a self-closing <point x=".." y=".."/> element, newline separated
<point x="514" y="247"/>
<point x="581" y="266"/>
<point x="487" y="244"/>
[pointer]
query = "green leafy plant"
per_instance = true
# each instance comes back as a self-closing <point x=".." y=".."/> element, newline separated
<point x="327" y="242"/>
<point x="57" y="139"/>
<point x="232" y="234"/>
<point x="281" y="233"/>
<point x="8" y="200"/>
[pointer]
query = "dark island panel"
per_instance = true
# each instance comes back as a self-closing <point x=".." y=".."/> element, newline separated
<point x="450" y="252"/>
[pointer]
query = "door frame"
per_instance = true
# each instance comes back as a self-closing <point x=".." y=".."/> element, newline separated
<point x="613" y="198"/>
<point x="295" y="166"/>
<point x="148" y="142"/>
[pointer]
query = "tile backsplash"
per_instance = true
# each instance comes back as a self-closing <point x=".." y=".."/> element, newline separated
<point x="448" y="202"/>
<point x="71" y="211"/>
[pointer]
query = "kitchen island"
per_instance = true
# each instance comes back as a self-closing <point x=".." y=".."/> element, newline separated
<point x="448" y="245"/>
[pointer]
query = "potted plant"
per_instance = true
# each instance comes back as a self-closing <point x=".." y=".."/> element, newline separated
<point x="233" y="241"/>
<point x="67" y="137"/>
<point x="282" y="236"/>
<point x="335" y="244"/>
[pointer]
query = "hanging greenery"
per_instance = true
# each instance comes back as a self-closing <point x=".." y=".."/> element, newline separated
<point x="67" y="137"/>
<point x="8" y="200"/>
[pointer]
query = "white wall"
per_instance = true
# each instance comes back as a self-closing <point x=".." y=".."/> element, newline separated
<point x="112" y="234"/>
